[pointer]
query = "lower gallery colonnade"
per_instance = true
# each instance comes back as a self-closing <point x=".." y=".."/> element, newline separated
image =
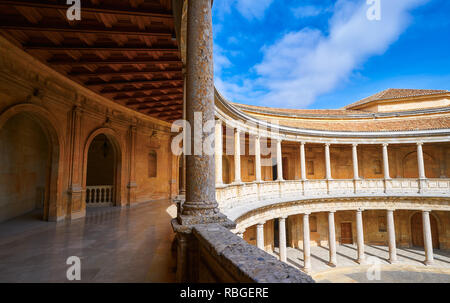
<point x="331" y="237"/>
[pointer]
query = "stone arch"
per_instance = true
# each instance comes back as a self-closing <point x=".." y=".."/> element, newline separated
<point x="52" y="208"/>
<point x="119" y="149"/>
<point x="410" y="166"/>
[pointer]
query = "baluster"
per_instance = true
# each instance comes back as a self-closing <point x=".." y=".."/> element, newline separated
<point x="87" y="195"/>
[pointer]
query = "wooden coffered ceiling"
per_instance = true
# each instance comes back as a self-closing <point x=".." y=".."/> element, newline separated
<point x="124" y="50"/>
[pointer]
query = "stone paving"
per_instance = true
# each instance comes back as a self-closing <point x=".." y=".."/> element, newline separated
<point x="409" y="268"/>
<point x="114" y="245"/>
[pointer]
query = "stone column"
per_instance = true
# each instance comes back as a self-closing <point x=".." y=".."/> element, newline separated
<point x="183" y="172"/>
<point x="76" y="194"/>
<point x="427" y="240"/>
<point x="327" y="162"/>
<point x="218" y="152"/>
<point x="332" y="239"/>
<point x="279" y="161"/>
<point x="355" y="161"/>
<point x="360" y="237"/>
<point x="240" y="234"/>
<point x="282" y="234"/>
<point x="306" y="243"/>
<point x="420" y="162"/>
<point x="302" y="161"/>
<point x="260" y="235"/>
<point x="132" y="186"/>
<point x="237" y="156"/>
<point x="200" y="205"/>
<point x="391" y="235"/>
<point x="257" y="159"/>
<point x="386" y="161"/>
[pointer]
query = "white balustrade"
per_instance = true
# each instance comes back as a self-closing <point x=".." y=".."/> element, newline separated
<point x="101" y="195"/>
<point x="229" y="196"/>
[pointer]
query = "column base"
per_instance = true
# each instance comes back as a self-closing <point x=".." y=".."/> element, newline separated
<point x="361" y="261"/>
<point x="429" y="262"/>
<point x="332" y="264"/>
<point x="393" y="261"/>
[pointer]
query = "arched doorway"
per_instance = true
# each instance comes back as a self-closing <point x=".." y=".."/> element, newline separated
<point x="26" y="167"/>
<point x="225" y="170"/>
<point x="417" y="230"/>
<point x="102" y="172"/>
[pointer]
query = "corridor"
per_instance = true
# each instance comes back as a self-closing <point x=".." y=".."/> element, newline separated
<point x="113" y="244"/>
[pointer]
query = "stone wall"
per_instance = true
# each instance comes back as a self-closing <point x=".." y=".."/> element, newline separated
<point x="221" y="256"/>
<point x="71" y="116"/>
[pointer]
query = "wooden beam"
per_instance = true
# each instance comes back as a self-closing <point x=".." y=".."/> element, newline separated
<point x="112" y="61"/>
<point x="145" y="89"/>
<point x="142" y="48"/>
<point x="84" y="29"/>
<point x="134" y="101"/>
<point x="126" y="72"/>
<point x="161" y="106"/>
<point x="87" y="6"/>
<point x="97" y="84"/>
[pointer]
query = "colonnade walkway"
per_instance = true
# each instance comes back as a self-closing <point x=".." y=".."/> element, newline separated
<point x="408" y="268"/>
<point x="113" y="244"/>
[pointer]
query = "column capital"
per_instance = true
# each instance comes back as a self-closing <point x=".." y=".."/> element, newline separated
<point x="279" y="140"/>
<point x="306" y="214"/>
<point x="302" y="142"/>
<point x="332" y="211"/>
<point x="237" y="130"/>
<point x="360" y="210"/>
<point x="385" y="144"/>
<point x="283" y="218"/>
<point x="426" y="210"/>
<point x="327" y="144"/>
<point x="260" y="224"/>
<point x="419" y="143"/>
<point x="355" y="144"/>
<point x="390" y="210"/>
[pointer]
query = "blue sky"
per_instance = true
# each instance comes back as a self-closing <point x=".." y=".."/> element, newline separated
<point x="327" y="53"/>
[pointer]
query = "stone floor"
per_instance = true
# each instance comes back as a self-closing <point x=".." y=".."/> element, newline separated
<point x="410" y="267"/>
<point x="114" y="245"/>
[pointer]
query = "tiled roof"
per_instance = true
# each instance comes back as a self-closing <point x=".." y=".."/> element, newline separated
<point x="394" y="93"/>
<point x="275" y="111"/>
<point x="369" y="125"/>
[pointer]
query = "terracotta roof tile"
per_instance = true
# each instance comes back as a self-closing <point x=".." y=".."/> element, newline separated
<point x="394" y="93"/>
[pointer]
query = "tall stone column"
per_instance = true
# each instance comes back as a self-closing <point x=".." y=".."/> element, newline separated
<point x="279" y="161"/>
<point x="332" y="239"/>
<point x="183" y="155"/>
<point x="386" y="161"/>
<point x="355" y="161"/>
<point x="282" y="236"/>
<point x="237" y="156"/>
<point x="360" y="237"/>
<point x="327" y="162"/>
<point x="200" y="205"/>
<point x="302" y="161"/>
<point x="306" y="243"/>
<point x="258" y="158"/>
<point x="218" y="152"/>
<point x="420" y="162"/>
<point x="260" y="235"/>
<point x="391" y="235"/>
<point x="427" y="240"/>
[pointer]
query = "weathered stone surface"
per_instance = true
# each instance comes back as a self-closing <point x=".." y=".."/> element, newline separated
<point x="244" y="261"/>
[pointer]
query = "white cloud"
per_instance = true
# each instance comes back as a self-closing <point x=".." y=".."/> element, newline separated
<point x="306" y="11"/>
<point x="304" y="64"/>
<point x="249" y="9"/>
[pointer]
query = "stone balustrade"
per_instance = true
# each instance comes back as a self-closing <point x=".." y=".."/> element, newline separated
<point x="235" y="195"/>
